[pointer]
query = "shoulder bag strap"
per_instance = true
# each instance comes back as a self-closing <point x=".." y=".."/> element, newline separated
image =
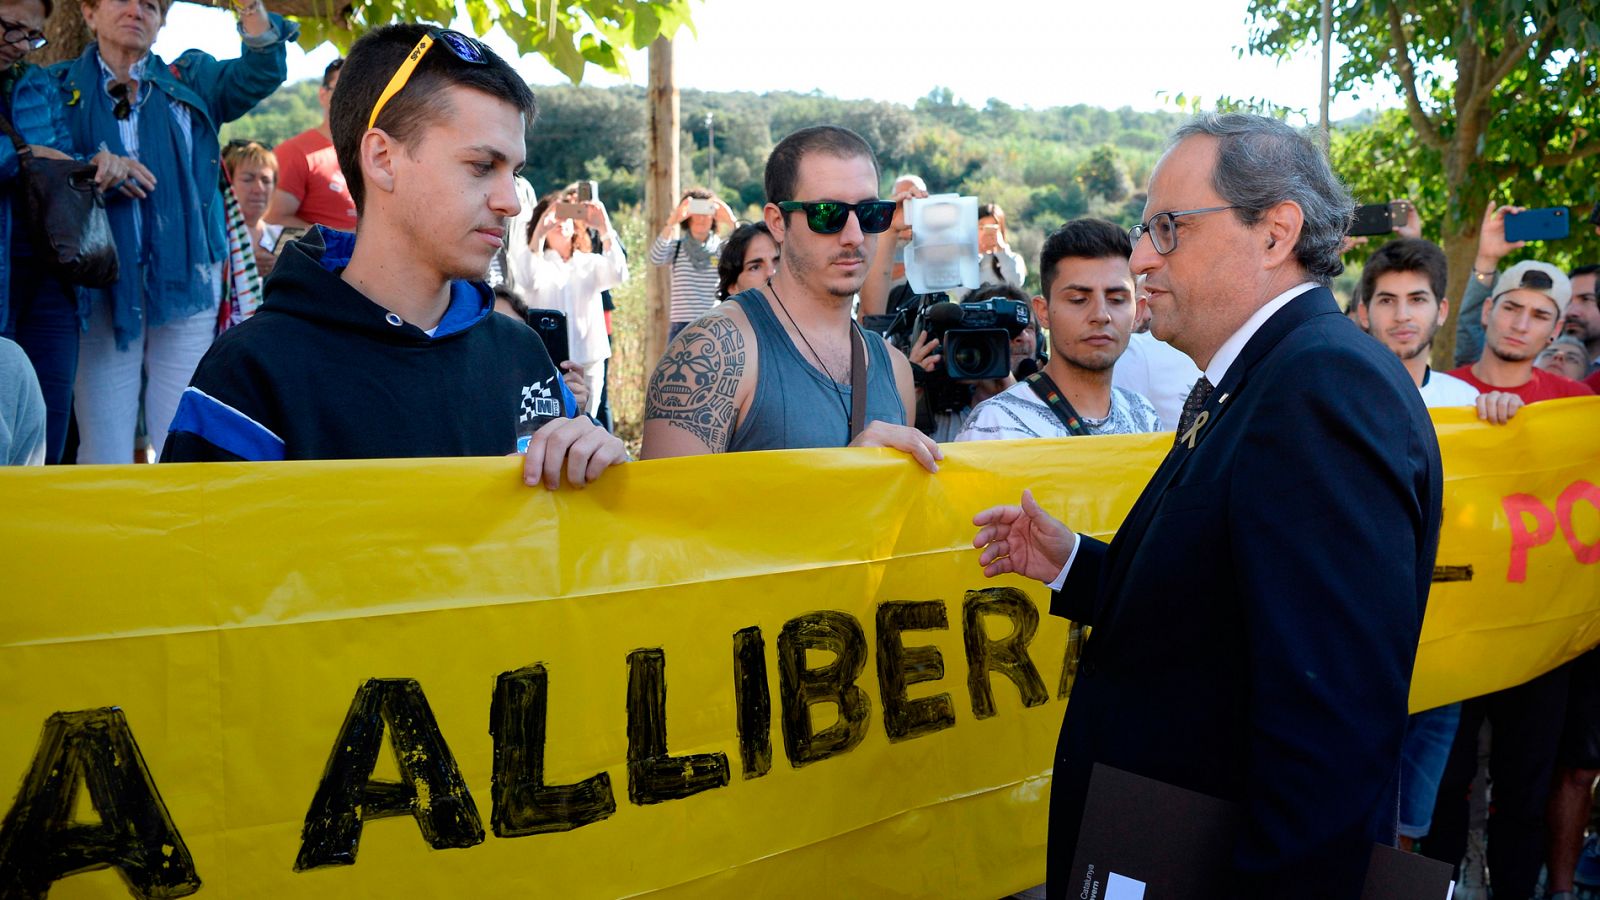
<point x="858" y="381"/>
<point x="1051" y="395"/>
<point x="24" y="153"/>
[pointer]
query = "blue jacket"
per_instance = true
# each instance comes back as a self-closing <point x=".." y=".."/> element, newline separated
<point x="151" y="289"/>
<point x="36" y="113"/>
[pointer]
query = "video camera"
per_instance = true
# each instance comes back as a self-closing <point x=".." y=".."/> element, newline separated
<point x="975" y="337"/>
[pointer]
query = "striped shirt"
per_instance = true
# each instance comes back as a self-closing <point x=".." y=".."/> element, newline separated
<point x="694" y="290"/>
<point x="1019" y="413"/>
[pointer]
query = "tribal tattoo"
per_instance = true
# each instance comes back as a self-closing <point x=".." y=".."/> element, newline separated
<point x="694" y="384"/>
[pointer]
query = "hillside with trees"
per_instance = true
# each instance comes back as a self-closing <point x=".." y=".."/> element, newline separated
<point x="1042" y="166"/>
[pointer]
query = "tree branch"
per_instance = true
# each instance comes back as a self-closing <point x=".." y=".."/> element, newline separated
<point x="1509" y="60"/>
<point x="1556" y="160"/>
<point x="1400" y="54"/>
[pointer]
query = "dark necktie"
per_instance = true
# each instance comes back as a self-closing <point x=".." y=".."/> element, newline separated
<point x="1196" y="401"/>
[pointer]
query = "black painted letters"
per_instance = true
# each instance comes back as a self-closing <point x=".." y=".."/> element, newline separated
<point x="430" y="789"/>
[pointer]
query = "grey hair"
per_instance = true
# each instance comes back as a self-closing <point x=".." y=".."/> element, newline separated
<point x="1262" y="162"/>
<point x="1566" y="339"/>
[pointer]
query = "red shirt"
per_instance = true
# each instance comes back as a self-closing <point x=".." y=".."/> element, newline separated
<point x="308" y="169"/>
<point x="1542" y="386"/>
<point x="1593" y="381"/>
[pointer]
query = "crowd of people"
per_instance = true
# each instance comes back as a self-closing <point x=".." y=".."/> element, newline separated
<point x="385" y="341"/>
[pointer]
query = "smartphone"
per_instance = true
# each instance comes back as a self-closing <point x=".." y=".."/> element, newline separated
<point x="551" y="326"/>
<point x="289" y="233"/>
<point x="1373" y="219"/>
<point x="698" y="207"/>
<point x="588" y="190"/>
<point x="572" y="211"/>
<point x="1548" y="224"/>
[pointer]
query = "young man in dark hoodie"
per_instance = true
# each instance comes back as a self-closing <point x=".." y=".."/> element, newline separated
<point x="385" y="343"/>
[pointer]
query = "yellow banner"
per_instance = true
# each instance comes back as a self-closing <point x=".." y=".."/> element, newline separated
<point x="771" y="674"/>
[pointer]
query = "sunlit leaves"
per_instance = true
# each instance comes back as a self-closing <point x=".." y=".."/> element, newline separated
<point x="571" y="34"/>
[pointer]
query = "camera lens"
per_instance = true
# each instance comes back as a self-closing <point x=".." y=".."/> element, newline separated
<point x="971" y="358"/>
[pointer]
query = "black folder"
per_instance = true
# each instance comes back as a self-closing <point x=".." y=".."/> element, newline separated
<point x="1143" y="839"/>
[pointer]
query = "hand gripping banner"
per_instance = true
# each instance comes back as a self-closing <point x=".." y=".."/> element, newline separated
<point x="767" y="674"/>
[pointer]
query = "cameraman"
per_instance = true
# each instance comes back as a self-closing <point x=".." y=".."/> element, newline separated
<point x="943" y="402"/>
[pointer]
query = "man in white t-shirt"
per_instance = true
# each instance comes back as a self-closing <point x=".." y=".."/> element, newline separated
<point x="1088" y="304"/>
<point x="1403" y="303"/>
<point x="1159" y="372"/>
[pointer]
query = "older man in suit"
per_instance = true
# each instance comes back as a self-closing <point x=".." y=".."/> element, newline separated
<point x="1256" y="618"/>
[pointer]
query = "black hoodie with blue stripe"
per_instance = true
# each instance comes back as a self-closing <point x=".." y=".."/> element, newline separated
<point x="322" y="372"/>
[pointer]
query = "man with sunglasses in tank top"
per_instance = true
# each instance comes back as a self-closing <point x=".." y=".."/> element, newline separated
<point x="385" y="343"/>
<point x="780" y="366"/>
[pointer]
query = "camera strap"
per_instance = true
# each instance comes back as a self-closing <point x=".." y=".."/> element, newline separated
<point x="1052" y="397"/>
<point x="858" y="381"/>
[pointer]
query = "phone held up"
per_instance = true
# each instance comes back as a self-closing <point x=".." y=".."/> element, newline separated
<point x="699" y="207"/>
<point x="551" y="326"/>
<point x="1549" y="224"/>
<point x="1373" y="219"/>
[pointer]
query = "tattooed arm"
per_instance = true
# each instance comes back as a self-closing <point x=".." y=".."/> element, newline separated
<point x="701" y="387"/>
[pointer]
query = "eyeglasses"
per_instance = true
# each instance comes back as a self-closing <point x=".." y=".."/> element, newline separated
<point x="22" y="34"/>
<point x="1163" y="227"/>
<point x="829" y="216"/>
<point x="119" y="93"/>
<point x="465" y="49"/>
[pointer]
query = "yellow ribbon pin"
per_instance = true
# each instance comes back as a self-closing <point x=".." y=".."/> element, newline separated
<point x="1194" y="430"/>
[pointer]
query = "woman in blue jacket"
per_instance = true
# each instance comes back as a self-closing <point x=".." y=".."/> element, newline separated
<point x="36" y="309"/>
<point x="158" y="319"/>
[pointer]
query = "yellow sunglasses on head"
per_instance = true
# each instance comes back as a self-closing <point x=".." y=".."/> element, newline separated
<point x="465" y="49"/>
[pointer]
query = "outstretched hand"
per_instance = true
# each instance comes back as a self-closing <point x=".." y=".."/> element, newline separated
<point x="1023" y="539"/>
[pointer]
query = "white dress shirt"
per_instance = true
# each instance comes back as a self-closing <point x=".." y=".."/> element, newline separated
<point x="1216" y="370"/>
<point x="1158" y="371"/>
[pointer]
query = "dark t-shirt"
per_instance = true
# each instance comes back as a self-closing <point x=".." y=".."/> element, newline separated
<point x="1542" y="386"/>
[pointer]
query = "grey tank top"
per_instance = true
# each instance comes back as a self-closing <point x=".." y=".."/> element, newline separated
<point x="797" y="406"/>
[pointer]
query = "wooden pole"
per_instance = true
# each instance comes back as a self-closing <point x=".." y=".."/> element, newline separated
<point x="660" y="193"/>
<point x="1327" y="68"/>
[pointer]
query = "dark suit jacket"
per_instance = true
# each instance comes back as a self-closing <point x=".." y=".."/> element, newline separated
<point x="1256" y="618"/>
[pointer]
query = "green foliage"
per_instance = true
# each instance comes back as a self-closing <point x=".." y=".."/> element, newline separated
<point x="1029" y="161"/>
<point x="570" y="34"/>
<point x="1499" y="96"/>
<point x="290" y="110"/>
<point x="1102" y="175"/>
<point x="1499" y="102"/>
<point x="1042" y="166"/>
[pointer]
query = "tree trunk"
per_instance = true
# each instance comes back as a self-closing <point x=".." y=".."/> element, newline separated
<point x="660" y="193"/>
<point x="66" y="33"/>
<point x="1460" y="247"/>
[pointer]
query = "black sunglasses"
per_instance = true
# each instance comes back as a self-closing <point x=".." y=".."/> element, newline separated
<point x="119" y="93"/>
<point x="829" y="216"/>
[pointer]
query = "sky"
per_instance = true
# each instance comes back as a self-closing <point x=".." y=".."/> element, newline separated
<point x="1039" y="53"/>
